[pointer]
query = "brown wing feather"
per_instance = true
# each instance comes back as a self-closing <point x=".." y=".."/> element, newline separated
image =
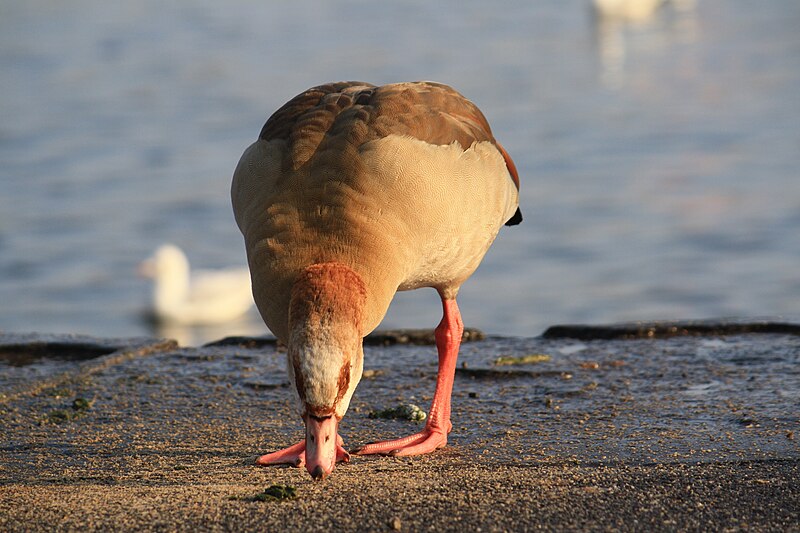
<point x="357" y="112"/>
<point x="304" y="120"/>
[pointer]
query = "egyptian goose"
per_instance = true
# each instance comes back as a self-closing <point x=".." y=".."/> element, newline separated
<point x="202" y="297"/>
<point x="351" y="193"/>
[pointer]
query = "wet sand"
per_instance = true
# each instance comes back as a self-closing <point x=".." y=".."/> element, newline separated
<point x="696" y="431"/>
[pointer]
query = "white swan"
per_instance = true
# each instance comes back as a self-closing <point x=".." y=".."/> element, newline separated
<point x="202" y="298"/>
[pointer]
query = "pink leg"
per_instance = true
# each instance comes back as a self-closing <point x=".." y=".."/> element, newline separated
<point x="296" y="455"/>
<point x="448" y="339"/>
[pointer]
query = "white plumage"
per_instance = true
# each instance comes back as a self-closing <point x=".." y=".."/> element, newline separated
<point x="629" y="10"/>
<point x="200" y="298"/>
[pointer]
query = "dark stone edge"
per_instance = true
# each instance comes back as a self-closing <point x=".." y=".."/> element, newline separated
<point x="94" y="355"/>
<point x="663" y="330"/>
<point x="388" y="337"/>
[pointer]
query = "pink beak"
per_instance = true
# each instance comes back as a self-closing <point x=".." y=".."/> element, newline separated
<point x="320" y="445"/>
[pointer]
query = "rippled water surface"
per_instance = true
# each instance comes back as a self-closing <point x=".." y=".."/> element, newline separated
<point x="659" y="161"/>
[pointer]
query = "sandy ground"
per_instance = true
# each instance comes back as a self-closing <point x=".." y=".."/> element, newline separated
<point x="693" y="432"/>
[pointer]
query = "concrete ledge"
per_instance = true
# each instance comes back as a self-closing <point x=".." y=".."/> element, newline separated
<point x="630" y="432"/>
<point x="663" y="330"/>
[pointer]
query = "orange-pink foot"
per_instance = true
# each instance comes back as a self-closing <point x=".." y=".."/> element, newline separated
<point x="448" y="339"/>
<point x="295" y="455"/>
<point x="427" y="440"/>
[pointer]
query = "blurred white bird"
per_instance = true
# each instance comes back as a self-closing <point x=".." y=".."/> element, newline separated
<point x="629" y="10"/>
<point x="200" y="298"/>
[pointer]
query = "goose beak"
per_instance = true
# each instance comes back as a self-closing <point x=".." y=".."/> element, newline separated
<point x="320" y="445"/>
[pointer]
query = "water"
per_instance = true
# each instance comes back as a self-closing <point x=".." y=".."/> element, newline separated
<point x="659" y="161"/>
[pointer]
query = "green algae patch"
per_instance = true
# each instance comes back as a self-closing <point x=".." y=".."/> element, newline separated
<point x="273" y="493"/>
<point x="58" y="416"/>
<point x="62" y="416"/>
<point x="80" y="404"/>
<point x="522" y="360"/>
<point x="407" y="411"/>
